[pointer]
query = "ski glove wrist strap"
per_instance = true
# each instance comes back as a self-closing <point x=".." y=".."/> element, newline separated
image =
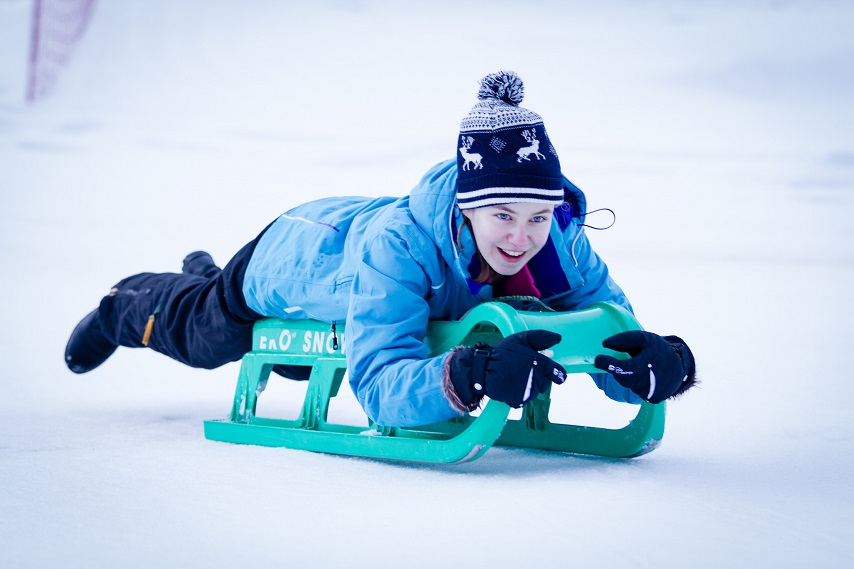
<point x="480" y="356"/>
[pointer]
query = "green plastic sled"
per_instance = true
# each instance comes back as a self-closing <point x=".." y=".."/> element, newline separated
<point x="312" y="343"/>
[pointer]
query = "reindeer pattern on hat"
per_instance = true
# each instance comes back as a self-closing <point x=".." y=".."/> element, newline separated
<point x="525" y="152"/>
<point x="474" y="161"/>
<point x="470" y="158"/>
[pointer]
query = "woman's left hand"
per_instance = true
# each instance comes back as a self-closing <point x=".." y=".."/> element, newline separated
<point x="659" y="367"/>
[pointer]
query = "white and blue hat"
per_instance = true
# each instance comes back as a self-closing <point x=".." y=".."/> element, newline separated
<point x="504" y="154"/>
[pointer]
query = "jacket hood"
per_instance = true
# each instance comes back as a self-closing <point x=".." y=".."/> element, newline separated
<point x="433" y="206"/>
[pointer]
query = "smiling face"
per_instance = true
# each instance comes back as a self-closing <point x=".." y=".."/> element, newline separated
<point x="509" y="235"/>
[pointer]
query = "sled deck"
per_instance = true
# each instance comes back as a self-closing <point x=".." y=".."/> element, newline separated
<point x="312" y="343"/>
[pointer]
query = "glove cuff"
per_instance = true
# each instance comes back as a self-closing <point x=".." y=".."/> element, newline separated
<point x="688" y="364"/>
<point x="463" y="377"/>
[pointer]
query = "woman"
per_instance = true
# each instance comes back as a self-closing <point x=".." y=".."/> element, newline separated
<point x="499" y="220"/>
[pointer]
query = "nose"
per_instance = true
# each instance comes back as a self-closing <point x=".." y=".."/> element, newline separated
<point x="518" y="235"/>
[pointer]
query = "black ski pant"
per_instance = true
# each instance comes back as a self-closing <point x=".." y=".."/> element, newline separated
<point x="201" y="322"/>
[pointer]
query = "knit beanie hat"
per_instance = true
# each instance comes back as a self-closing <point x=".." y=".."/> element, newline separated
<point x="504" y="154"/>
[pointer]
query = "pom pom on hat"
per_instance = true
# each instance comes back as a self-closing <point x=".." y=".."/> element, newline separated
<point x="504" y="153"/>
<point x="504" y="85"/>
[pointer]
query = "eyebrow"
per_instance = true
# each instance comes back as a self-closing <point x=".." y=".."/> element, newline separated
<point x="508" y="210"/>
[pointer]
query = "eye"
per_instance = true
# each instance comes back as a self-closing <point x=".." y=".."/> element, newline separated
<point x="539" y="218"/>
<point x="502" y="216"/>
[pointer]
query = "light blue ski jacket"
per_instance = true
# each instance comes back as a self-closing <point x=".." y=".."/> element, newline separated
<point x="387" y="266"/>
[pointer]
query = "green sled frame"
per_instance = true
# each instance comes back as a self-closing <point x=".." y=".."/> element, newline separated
<point x="313" y="343"/>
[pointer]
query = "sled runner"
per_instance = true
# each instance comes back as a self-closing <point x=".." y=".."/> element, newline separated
<point x="316" y="344"/>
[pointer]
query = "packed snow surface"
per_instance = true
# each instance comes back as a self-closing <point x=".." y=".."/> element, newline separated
<point x="720" y="133"/>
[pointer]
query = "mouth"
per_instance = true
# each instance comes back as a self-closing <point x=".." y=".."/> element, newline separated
<point x="511" y="255"/>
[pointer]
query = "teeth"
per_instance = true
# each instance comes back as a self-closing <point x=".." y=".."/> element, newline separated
<point x="513" y="253"/>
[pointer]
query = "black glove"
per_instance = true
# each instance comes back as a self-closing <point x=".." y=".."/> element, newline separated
<point x="659" y="368"/>
<point x="512" y="371"/>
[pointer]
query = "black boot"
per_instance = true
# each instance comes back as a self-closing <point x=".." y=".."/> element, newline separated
<point x="201" y="264"/>
<point x="296" y="373"/>
<point x="88" y="347"/>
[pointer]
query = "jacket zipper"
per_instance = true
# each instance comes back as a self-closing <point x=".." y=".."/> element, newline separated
<point x="333" y="324"/>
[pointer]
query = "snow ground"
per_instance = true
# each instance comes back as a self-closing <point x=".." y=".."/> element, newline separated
<point x="719" y="132"/>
